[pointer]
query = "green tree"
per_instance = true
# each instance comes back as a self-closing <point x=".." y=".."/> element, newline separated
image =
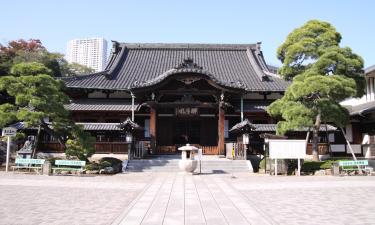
<point x="19" y="51"/>
<point x="37" y="96"/>
<point x="322" y="74"/>
<point x="74" y="69"/>
<point x="80" y="144"/>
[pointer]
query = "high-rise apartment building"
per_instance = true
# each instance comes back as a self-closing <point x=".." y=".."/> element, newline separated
<point x="91" y="52"/>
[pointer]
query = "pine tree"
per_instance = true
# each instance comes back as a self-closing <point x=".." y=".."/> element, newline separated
<point x="322" y="73"/>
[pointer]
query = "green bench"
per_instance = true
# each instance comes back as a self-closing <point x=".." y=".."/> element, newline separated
<point x="349" y="166"/>
<point x="69" y="165"/>
<point x="30" y="164"/>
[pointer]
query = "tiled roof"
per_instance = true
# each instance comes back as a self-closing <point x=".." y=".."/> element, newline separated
<point x="259" y="106"/>
<point x="361" y="109"/>
<point x="245" y="125"/>
<point x="129" y="125"/>
<point x="134" y="64"/>
<point x="100" y="105"/>
<point x="86" y="126"/>
<point x="272" y="128"/>
<point x="370" y="69"/>
<point x="100" y="126"/>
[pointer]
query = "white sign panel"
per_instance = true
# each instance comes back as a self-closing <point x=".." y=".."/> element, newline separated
<point x="287" y="149"/>
<point x="9" y="131"/>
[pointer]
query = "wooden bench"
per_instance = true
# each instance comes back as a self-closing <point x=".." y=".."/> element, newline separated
<point x="349" y="166"/>
<point x="30" y="164"/>
<point x="69" y="165"/>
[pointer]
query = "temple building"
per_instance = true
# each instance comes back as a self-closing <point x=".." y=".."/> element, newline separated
<point x="182" y="93"/>
<point x="178" y="94"/>
<point x="361" y="130"/>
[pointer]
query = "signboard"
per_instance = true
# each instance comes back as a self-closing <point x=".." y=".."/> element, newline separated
<point x="287" y="149"/>
<point x="186" y="111"/>
<point x="9" y="131"/>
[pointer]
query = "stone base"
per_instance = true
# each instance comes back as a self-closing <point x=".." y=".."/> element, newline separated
<point x="188" y="165"/>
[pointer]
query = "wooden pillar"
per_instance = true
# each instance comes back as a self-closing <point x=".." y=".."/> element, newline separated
<point x="220" y="144"/>
<point x="153" y="129"/>
<point x="241" y="108"/>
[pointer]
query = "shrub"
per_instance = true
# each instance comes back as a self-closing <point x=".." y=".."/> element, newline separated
<point x="115" y="163"/>
<point x="53" y="159"/>
<point x="262" y="164"/>
<point x="310" y="166"/>
<point x="112" y="161"/>
<point x="104" y="164"/>
<point x="92" y="166"/>
<point x="80" y="145"/>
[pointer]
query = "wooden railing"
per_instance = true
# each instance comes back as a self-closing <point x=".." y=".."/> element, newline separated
<point x="53" y="147"/>
<point x="111" y="147"/>
<point x="166" y="149"/>
<point x="209" y="150"/>
<point x="172" y="149"/>
<point x="100" y="147"/>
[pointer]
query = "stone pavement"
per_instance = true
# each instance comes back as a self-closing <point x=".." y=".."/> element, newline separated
<point x="176" y="198"/>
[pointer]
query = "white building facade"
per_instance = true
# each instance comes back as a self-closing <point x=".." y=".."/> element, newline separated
<point x="90" y="52"/>
<point x="362" y="112"/>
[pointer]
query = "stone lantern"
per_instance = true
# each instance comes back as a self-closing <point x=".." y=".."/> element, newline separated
<point x="130" y="127"/>
<point x="243" y="130"/>
<point x="187" y="162"/>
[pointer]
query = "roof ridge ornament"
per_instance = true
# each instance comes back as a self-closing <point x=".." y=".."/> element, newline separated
<point x="188" y="64"/>
<point x="115" y="47"/>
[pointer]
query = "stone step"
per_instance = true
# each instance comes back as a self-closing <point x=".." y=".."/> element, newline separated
<point x="171" y="165"/>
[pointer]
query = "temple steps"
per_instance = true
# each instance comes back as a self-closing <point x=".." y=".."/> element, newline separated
<point x="171" y="165"/>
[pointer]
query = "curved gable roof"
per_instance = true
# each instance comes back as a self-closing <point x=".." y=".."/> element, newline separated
<point x="132" y="64"/>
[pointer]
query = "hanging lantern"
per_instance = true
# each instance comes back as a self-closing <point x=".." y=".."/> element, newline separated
<point x="128" y="137"/>
<point x="245" y="139"/>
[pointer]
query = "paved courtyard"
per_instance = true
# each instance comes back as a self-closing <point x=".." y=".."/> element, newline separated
<point x="175" y="198"/>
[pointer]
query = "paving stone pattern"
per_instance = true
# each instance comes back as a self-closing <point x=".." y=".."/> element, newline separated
<point x="177" y="198"/>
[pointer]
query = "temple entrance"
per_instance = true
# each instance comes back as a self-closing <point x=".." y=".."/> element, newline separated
<point x="187" y="131"/>
<point x="173" y="132"/>
<point x="187" y="105"/>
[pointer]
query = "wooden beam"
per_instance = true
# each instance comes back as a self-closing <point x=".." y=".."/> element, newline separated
<point x="188" y="92"/>
<point x="220" y="143"/>
<point x="153" y="129"/>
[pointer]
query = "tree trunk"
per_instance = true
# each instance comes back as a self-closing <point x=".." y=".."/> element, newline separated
<point x="60" y="139"/>
<point x="315" y="141"/>
<point x="36" y="142"/>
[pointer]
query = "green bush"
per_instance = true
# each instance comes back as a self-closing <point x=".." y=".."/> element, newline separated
<point x="92" y="166"/>
<point x="53" y="159"/>
<point x="104" y="164"/>
<point x="111" y="160"/>
<point x="310" y="166"/>
<point x="262" y="164"/>
<point x="80" y="144"/>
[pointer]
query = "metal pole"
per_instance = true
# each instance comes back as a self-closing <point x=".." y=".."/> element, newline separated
<point x="275" y="167"/>
<point x="132" y="105"/>
<point x="8" y="152"/>
<point x="350" y="147"/>
<point x="351" y="150"/>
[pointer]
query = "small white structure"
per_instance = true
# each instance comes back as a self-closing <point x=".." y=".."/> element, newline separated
<point x="187" y="162"/>
<point x="287" y="149"/>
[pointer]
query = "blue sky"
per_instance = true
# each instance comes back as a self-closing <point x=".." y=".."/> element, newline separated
<point x="196" y="21"/>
